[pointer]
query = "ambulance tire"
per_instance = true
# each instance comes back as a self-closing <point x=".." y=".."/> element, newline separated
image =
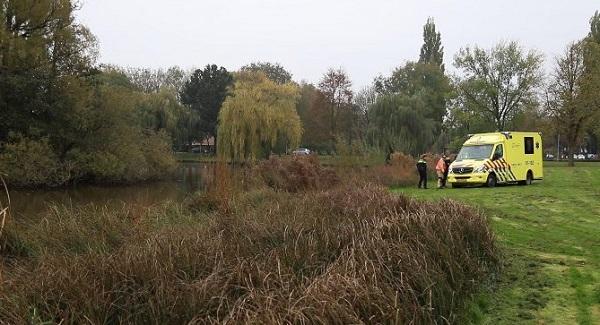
<point x="491" y="181"/>
<point x="528" y="179"/>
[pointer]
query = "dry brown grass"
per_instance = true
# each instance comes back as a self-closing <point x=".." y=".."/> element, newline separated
<point x="348" y="254"/>
<point x="295" y="174"/>
<point x="400" y="171"/>
<point x="4" y="210"/>
<point x="219" y="190"/>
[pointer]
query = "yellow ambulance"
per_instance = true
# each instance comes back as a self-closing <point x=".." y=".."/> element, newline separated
<point x="498" y="158"/>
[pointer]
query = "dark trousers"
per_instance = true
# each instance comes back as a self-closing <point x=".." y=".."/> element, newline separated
<point x="445" y="180"/>
<point x="423" y="179"/>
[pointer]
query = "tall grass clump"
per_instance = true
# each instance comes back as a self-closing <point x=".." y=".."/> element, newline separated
<point x="346" y="254"/>
<point x="73" y="230"/>
<point x="294" y="174"/>
<point x="4" y="205"/>
<point x="400" y="170"/>
<point x="220" y="189"/>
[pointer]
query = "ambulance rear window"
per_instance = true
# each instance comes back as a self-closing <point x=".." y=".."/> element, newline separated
<point x="529" y="145"/>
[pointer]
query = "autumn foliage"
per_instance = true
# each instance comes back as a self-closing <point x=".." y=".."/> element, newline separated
<point x="294" y="174"/>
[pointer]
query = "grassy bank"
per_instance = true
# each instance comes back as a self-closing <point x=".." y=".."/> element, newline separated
<point x="316" y="252"/>
<point x="188" y="157"/>
<point x="325" y="160"/>
<point x="550" y="235"/>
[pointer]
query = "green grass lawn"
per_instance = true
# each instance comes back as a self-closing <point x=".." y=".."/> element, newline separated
<point x="550" y="235"/>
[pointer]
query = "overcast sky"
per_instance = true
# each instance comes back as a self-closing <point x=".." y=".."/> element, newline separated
<point x="366" y="38"/>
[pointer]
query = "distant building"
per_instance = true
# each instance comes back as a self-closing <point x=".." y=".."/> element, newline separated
<point x="207" y="145"/>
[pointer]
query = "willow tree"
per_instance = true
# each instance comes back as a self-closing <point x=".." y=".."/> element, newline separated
<point x="399" y="123"/>
<point x="426" y="80"/>
<point x="258" y="118"/>
<point x="274" y="71"/>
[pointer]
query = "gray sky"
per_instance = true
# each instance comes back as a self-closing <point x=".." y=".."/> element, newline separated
<point x="366" y="38"/>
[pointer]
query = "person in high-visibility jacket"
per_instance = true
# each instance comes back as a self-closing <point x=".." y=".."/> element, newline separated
<point x="440" y="168"/>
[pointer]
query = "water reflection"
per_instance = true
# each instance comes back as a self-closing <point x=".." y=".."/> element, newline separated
<point x="191" y="177"/>
<point x="196" y="176"/>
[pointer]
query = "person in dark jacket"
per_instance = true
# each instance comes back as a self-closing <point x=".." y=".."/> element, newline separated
<point x="422" y="169"/>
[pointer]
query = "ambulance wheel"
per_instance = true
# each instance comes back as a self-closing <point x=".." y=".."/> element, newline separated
<point x="491" y="181"/>
<point x="528" y="179"/>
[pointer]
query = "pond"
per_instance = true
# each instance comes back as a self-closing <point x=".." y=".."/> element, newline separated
<point x="190" y="177"/>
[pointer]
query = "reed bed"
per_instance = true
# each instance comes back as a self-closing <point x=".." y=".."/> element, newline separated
<point x="4" y="210"/>
<point x="350" y="253"/>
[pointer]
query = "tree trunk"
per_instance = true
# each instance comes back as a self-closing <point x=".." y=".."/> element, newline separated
<point x="570" y="153"/>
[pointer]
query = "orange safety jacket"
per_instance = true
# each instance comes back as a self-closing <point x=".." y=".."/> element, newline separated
<point x="441" y="165"/>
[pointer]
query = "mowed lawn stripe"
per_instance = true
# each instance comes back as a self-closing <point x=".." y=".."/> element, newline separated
<point x="550" y="233"/>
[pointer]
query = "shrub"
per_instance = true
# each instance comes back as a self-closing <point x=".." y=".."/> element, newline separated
<point x="400" y="171"/>
<point x="125" y="160"/>
<point x="158" y="155"/>
<point x="30" y="162"/>
<point x="294" y="174"/>
<point x="344" y="255"/>
<point x="137" y="157"/>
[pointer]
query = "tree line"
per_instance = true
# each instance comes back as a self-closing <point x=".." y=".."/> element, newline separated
<point x="421" y="108"/>
<point x="67" y="118"/>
